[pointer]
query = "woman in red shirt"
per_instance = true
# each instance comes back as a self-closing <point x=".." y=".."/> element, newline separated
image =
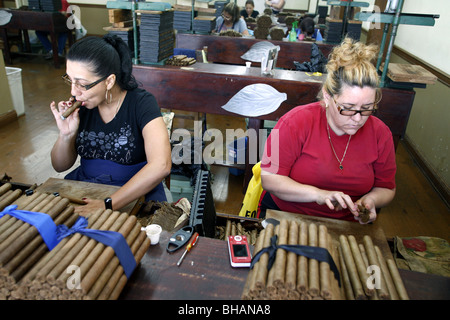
<point x="326" y="158"/>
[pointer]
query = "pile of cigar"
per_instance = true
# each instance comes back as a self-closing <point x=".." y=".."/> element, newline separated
<point x="78" y="267"/>
<point x="236" y="228"/>
<point x="263" y="24"/>
<point x="358" y="284"/>
<point x="180" y="60"/>
<point x="292" y="276"/>
<point x="297" y="277"/>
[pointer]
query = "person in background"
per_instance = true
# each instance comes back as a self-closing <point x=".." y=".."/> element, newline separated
<point x="231" y="20"/>
<point x="43" y="36"/>
<point x="276" y="5"/>
<point x="249" y="10"/>
<point x="333" y="155"/>
<point x="308" y="30"/>
<point x="118" y="131"/>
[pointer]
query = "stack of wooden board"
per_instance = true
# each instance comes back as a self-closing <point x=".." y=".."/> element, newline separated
<point x="354" y="29"/>
<point x="122" y="25"/>
<point x="156" y="36"/>
<point x="182" y="19"/>
<point x="333" y="30"/>
<point x="204" y="24"/>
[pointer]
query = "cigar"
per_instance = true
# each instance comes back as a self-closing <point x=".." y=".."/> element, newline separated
<point x="364" y="214"/>
<point x="68" y="112"/>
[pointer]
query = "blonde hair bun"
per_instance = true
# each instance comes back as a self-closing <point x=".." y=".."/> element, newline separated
<point x="350" y="63"/>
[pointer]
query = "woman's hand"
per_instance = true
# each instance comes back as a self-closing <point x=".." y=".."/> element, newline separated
<point x="69" y="126"/>
<point x="336" y="200"/>
<point x="91" y="205"/>
<point x="369" y="204"/>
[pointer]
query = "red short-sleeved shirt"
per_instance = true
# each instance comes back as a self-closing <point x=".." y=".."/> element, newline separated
<point x="305" y="155"/>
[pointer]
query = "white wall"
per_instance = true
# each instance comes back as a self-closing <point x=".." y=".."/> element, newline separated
<point x="429" y="44"/>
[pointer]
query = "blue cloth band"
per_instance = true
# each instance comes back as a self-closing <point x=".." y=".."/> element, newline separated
<point x="52" y="234"/>
<point x="317" y="253"/>
<point x="109" y="238"/>
<point x="41" y="221"/>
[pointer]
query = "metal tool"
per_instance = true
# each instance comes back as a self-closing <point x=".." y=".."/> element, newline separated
<point x="179" y="238"/>
<point x="189" y="247"/>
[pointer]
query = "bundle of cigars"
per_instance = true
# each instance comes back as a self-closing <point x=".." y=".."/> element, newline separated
<point x="78" y="267"/>
<point x="180" y="60"/>
<point x="296" y="277"/>
<point x="236" y="228"/>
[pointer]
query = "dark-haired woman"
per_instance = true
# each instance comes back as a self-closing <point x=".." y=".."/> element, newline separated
<point x="249" y="10"/>
<point x="118" y="131"/>
<point x="231" y="20"/>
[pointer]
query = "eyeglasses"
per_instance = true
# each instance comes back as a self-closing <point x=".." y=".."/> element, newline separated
<point x="367" y="111"/>
<point x="226" y="18"/>
<point x="79" y="86"/>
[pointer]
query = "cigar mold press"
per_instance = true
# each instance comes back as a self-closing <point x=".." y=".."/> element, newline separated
<point x="203" y="212"/>
<point x="75" y="104"/>
<point x="180" y="238"/>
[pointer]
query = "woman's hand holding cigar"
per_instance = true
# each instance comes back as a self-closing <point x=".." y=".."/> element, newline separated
<point x="72" y="105"/>
<point x="66" y="115"/>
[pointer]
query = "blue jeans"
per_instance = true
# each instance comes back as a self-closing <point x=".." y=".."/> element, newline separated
<point x="43" y="37"/>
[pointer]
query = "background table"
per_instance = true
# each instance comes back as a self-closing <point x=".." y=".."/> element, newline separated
<point x="51" y="22"/>
<point x="206" y="87"/>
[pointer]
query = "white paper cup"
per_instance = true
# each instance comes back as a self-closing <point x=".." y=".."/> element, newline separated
<point x="153" y="232"/>
<point x="248" y="64"/>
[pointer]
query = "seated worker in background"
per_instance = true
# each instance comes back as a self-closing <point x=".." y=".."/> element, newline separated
<point x="308" y="31"/>
<point x="276" y="5"/>
<point x="231" y="20"/>
<point x="249" y="10"/>
<point x="43" y="36"/>
<point x="118" y="131"/>
<point x="333" y="155"/>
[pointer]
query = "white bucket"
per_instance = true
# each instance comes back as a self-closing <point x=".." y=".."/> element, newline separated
<point x="14" y="76"/>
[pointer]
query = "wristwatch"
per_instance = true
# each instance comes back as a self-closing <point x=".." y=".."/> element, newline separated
<point x="108" y="203"/>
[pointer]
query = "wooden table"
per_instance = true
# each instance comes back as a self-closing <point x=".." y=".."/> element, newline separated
<point x="52" y="22"/>
<point x="206" y="87"/>
<point x="76" y="190"/>
<point x="206" y="274"/>
<point x="230" y="49"/>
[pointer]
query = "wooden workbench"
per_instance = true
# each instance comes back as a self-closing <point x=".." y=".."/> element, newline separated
<point x="206" y="274"/>
<point x="24" y="20"/>
<point x="230" y="49"/>
<point x="76" y="190"/>
<point x="206" y="87"/>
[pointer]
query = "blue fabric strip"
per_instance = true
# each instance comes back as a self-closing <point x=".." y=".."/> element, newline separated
<point x="317" y="253"/>
<point x="109" y="238"/>
<point x="41" y="221"/>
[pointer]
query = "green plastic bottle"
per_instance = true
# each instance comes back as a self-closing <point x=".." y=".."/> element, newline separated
<point x="293" y="32"/>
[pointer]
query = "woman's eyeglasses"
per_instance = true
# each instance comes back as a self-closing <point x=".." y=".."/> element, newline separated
<point x="367" y="110"/>
<point x="228" y="18"/>
<point x="82" y="87"/>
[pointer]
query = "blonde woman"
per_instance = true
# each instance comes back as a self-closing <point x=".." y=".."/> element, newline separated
<point x="333" y="155"/>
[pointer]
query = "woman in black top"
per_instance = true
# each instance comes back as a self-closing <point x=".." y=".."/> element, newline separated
<point x="249" y="10"/>
<point x="118" y="131"/>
